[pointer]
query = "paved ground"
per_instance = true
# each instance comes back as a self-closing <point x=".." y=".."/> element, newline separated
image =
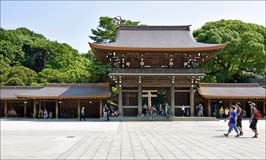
<point x="128" y="140"/>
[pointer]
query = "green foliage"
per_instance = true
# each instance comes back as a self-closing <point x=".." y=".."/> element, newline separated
<point x="98" y="71"/>
<point x="30" y="58"/>
<point x="51" y="75"/>
<point x="115" y="90"/>
<point x="244" y="54"/>
<point x="14" y="81"/>
<point x="17" y="75"/>
<point x="106" y="30"/>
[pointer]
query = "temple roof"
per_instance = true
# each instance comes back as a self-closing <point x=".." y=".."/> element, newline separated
<point x="152" y="38"/>
<point x="60" y="91"/>
<point x="9" y="92"/>
<point x="232" y="91"/>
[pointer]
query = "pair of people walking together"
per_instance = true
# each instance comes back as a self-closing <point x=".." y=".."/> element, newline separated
<point x="236" y="116"/>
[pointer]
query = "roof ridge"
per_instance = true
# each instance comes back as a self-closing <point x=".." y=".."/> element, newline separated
<point x="20" y="87"/>
<point x="76" y="84"/>
<point x="229" y="85"/>
<point x="155" y="27"/>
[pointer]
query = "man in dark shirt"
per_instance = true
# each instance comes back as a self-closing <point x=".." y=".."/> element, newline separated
<point x="106" y="110"/>
<point x="239" y="118"/>
<point x="82" y="114"/>
<point x="253" y="120"/>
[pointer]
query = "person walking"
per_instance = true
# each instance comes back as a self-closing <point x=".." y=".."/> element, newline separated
<point x="226" y="112"/>
<point x="82" y="114"/>
<point x="254" y="119"/>
<point x="221" y="112"/>
<point x="232" y="122"/>
<point x="145" y="109"/>
<point x="167" y="110"/>
<point x="45" y="114"/>
<point x="201" y="110"/>
<point x="239" y="113"/>
<point x="106" y="110"/>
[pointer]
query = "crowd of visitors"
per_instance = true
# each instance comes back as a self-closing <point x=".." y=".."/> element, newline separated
<point x="235" y="119"/>
<point x="44" y="114"/>
<point x="156" y="110"/>
<point x="224" y="111"/>
<point x="11" y="113"/>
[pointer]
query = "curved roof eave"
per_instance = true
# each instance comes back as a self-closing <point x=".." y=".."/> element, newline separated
<point x="115" y="48"/>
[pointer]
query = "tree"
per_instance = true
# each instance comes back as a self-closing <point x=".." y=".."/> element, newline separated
<point x="98" y="70"/>
<point x="17" y="75"/>
<point x="106" y="30"/>
<point x="51" y="76"/>
<point x="244" y="54"/>
<point x="24" y="51"/>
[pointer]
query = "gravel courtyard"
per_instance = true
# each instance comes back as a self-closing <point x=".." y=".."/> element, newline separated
<point x="27" y="139"/>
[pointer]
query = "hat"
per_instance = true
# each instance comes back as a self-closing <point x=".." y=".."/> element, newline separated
<point x="252" y="104"/>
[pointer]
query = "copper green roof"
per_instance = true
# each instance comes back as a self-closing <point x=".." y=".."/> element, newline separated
<point x="232" y="91"/>
<point x="153" y="38"/>
<point x="60" y="91"/>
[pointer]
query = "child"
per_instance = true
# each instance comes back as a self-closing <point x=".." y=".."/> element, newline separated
<point x="232" y="122"/>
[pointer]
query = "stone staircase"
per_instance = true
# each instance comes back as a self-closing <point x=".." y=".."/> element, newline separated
<point x="140" y="118"/>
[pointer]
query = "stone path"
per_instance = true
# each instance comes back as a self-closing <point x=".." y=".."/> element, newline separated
<point x="128" y="140"/>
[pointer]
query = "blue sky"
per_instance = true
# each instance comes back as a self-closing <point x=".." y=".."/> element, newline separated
<point x="70" y="22"/>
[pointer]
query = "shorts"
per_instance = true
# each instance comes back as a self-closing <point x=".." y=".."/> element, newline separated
<point x="239" y="123"/>
<point x="253" y="124"/>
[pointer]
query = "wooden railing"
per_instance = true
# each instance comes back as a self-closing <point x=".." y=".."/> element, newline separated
<point x="154" y="70"/>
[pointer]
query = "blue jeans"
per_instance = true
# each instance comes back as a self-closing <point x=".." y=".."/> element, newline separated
<point x="231" y="127"/>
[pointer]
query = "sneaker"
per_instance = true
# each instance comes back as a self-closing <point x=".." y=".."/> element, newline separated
<point x="255" y="136"/>
<point x="226" y="135"/>
<point x="237" y="135"/>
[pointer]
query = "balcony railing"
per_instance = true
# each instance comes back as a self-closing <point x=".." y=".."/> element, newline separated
<point x="155" y="70"/>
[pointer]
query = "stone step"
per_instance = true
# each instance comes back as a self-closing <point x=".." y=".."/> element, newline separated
<point x="140" y="118"/>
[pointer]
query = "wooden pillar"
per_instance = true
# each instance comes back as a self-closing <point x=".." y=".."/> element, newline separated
<point x="139" y="99"/>
<point x="5" y="110"/>
<point x="120" y="104"/>
<point x="173" y="99"/>
<point x="101" y="108"/>
<point x="44" y="105"/>
<point x="191" y="101"/>
<point x="25" y="108"/>
<point x="209" y="107"/>
<point x="56" y="109"/>
<point x="34" y="109"/>
<point x="40" y="104"/>
<point x="78" y="108"/>
<point x="263" y="109"/>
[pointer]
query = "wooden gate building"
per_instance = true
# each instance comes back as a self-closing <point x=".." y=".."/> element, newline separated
<point x="155" y="61"/>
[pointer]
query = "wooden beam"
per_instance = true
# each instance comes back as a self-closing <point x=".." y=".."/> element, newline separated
<point x="101" y="108"/>
<point x="173" y="100"/>
<point x="139" y="99"/>
<point x="25" y="109"/>
<point x="130" y="106"/>
<point x="149" y="90"/>
<point x="78" y="108"/>
<point x="130" y="90"/>
<point x="5" y="110"/>
<point x="56" y="109"/>
<point x="209" y="107"/>
<point x="191" y="101"/>
<point x="182" y="90"/>
<point x="263" y="109"/>
<point x="120" y="109"/>
<point x="34" y="109"/>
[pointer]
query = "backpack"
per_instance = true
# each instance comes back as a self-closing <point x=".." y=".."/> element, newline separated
<point x="258" y="115"/>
